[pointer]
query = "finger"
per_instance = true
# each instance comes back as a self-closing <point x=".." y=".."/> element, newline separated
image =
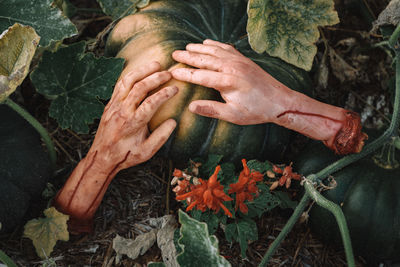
<point x="150" y="105"/>
<point x="198" y="60"/>
<point x="126" y="82"/>
<point x="214" y="109"/>
<point x="158" y="138"/>
<point x="222" y="45"/>
<point x="211" y="50"/>
<point x="207" y="78"/>
<point x="143" y="87"/>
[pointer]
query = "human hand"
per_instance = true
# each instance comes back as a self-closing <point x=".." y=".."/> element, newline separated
<point x="252" y="96"/>
<point x="122" y="140"/>
<point x="123" y="136"/>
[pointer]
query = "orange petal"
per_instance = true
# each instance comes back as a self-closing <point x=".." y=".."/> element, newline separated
<point x="213" y="178"/>
<point x="227" y="212"/>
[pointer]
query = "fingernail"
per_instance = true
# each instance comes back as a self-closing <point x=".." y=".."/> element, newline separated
<point x="192" y="107"/>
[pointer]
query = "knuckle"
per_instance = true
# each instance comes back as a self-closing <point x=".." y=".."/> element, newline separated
<point x="227" y="82"/>
<point x="140" y="85"/>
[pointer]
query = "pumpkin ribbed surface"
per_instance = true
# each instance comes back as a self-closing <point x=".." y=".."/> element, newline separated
<point x="368" y="195"/>
<point x="167" y="25"/>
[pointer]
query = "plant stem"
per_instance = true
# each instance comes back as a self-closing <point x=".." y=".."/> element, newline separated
<point x="395" y="35"/>
<point x="389" y="133"/>
<point x="38" y="127"/>
<point x="286" y="229"/>
<point x="339" y="215"/>
<point x="345" y="161"/>
<point x="6" y="260"/>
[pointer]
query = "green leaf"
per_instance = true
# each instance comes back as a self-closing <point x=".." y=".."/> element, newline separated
<point x="208" y="168"/>
<point x="259" y="166"/>
<point x="6" y="260"/>
<point x="265" y="201"/>
<point x="199" y="248"/>
<point x="208" y="217"/>
<point x="118" y="9"/>
<point x="17" y="47"/>
<point x="243" y="231"/>
<point x="66" y="7"/>
<point x="76" y="82"/>
<point x="227" y="174"/>
<point x="285" y="201"/>
<point x="48" y="21"/>
<point x="45" y="232"/>
<point x="288" y="29"/>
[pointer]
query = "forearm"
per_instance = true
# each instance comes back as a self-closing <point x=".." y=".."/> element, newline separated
<point x="82" y="193"/>
<point x="338" y="128"/>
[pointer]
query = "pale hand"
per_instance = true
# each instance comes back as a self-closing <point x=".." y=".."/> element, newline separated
<point x="252" y="96"/>
<point x="122" y="140"/>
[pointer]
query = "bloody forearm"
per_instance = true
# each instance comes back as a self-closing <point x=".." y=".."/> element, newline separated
<point x="339" y="129"/>
<point x="82" y="193"/>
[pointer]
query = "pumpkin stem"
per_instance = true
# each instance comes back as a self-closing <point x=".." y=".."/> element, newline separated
<point x="38" y="127"/>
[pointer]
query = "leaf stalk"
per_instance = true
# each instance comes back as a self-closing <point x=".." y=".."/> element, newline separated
<point x="38" y="127"/>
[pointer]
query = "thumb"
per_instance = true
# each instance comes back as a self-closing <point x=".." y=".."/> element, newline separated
<point x="214" y="109"/>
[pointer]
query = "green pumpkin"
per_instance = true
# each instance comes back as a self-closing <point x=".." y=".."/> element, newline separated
<point x="168" y="25"/>
<point x="24" y="168"/>
<point x="370" y="200"/>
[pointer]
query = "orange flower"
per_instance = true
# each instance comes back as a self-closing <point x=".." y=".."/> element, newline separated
<point x="286" y="178"/>
<point x="246" y="187"/>
<point x="208" y="194"/>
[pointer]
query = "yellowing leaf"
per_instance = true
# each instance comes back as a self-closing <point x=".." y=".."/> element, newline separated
<point x="45" y="232"/>
<point x="17" y="47"/>
<point x="288" y="29"/>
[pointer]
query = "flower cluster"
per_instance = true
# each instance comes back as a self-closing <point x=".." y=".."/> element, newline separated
<point x="287" y="176"/>
<point x="210" y="194"/>
<point x="246" y="187"/>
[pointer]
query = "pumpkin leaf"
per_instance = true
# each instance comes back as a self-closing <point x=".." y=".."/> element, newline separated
<point x="199" y="248"/>
<point x="118" y="9"/>
<point x="45" y="232"/>
<point x="66" y="7"/>
<point x="134" y="248"/>
<point x="48" y="21"/>
<point x="289" y="29"/>
<point x="76" y="82"/>
<point x="389" y="16"/>
<point x="17" y="47"/>
<point x="242" y="231"/>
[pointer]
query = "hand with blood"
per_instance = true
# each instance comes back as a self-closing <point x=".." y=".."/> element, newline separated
<point x="252" y="96"/>
<point x="122" y="140"/>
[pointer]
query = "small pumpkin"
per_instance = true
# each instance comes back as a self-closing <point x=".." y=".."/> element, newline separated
<point x="24" y="167"/>
<point x="168" y="25"/>
<point x="369" y="197"/>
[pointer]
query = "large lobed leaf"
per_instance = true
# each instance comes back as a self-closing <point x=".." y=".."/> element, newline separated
<point x="199" y="248"/>
<point x="76" y="82"/>
<point x="117" y="9"/>
<point x="288" y="29"/>
<point x="17" y="47"/>
<point x="45" y="232"/>
<point x="48" y="21"/>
